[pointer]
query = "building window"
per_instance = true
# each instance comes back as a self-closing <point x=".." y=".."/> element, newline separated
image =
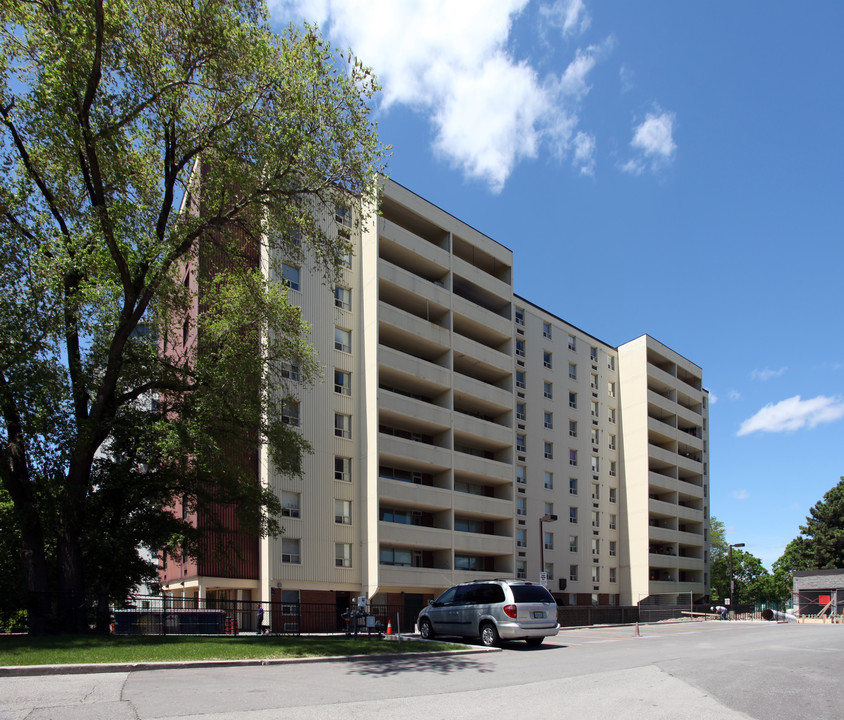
<point x="290" y="412"/>
<point x="290" y="276"/>
<point x="573" y="515"/>
<point x="521" y="411"/>
<point x="612" y="415"/>
<point x="573" y="486"/>
<point x="521" y="474"/>
<point x="573" y="543"/>
<point x="469" y="562"/>
<point x="612" y="495"/>
<point x="521" y="570"/>
<point x="572" y="342"/>
<point x="342" y="340"/>
<point x="546" y="359"/>
<point x="612" y="442"/>
<point x="594" y="405"/>
<point x="520" y="316"/>
<point x="596" y="491"/>
<point x="595" y="436"/>
<point x="343" y="512"/>
<point x="549" y="508"/>
<point x="548" y="540"/>
<point x="548" y="390"/>
<point x="520" y="347"/>
<point x="595" y="464"/>
<point x="290" y="371"/>
<point x="573" y="371"/>
<point x="521" y="506"/>
<point x="343" y="555"/>
<point x="185" y="331"/>
<point x="573" y="428"/>
<point x="612" y="522"/>
<point x="342" y="425"/>
<point x="573" y="573"/>
<point x="520" y="379"/>
<point x="290" y="551"/>
<point x="596" y="573"/>
<point x="521" y="537"/>
<point x="593" y="383"/>
<point x="596" y="519"/>
<point x="342" y="297"/>
<point x="546" y="329"/>
<point x="395" y="556"/>
<point x="593" y="354"/>
<point x="521" y="443"/>
<point x="549" y="570"/>
<point x="611" y="389"/>
<point x="549" y="451"/>
<point x="343" y="215"/>
<point x="548" y="420"/>
<point x="290" y="504"/>
<point x="596" y="546"/>
<point x="342" y="382"/>
<point x="611" y="362"/>
<point x="573" y="457"/>
<point x="572" y="399"/>
<point x="612" y="468"/>
<point x="549" y="480"/>
<point x="343" y="468"/>
<point x="612" y="548"/>
<point x="612" y="574"/>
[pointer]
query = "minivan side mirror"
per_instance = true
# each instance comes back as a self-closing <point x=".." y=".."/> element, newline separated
<point x="430" y="602"/>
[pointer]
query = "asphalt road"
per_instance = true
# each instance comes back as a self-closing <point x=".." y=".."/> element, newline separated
<point x="709" y="670"/>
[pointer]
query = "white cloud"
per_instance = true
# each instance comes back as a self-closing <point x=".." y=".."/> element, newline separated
<point x="734" y="395"/>
<point x="568" y="15"/>
<point x="451" y="61"/>
<point x="767" y="374"/>
<point x="713" y="398"/>
<point x="794" y="414"/>
<point x="740" y="494"/>
<point x="584" y="153"/>
<point x="653" y="141"/>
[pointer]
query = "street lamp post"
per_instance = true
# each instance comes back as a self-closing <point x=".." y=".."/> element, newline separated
<point x="732" y="582"/>
<point x="544" y="519"/>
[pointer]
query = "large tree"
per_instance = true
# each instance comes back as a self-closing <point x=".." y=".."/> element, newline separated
<point x="820" y="544"/>
<point x="132" y="134"/>
<point x="753" y="583"/>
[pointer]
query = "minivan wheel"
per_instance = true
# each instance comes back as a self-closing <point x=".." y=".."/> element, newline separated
<point x="533" y="642"/>
<point x="425" y="629"/>
<point x="489" y="635"/>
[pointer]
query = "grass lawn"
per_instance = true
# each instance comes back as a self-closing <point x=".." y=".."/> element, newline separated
<point x="69" y="649"/>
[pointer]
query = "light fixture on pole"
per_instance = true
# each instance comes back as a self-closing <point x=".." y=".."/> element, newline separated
<point x="548" y="517"/>
<point x="732" y="583"/>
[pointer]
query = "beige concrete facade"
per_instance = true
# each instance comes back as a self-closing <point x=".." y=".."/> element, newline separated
<point x="665" y="457"/>
<point x="462" y="415"/>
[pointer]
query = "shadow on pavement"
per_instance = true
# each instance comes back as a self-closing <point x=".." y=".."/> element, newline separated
<point x="410" y="663"/>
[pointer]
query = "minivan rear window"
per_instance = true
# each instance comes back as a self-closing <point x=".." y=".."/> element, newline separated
<point x="531" y="593"/>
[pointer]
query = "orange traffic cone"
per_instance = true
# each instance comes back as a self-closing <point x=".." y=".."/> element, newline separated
<point x="389" y="628"/>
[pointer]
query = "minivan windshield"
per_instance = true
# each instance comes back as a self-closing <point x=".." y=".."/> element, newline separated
<point x="531" y="593"/>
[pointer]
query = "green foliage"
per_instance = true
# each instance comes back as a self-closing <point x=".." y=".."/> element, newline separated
<point x="138" y="139"/>
<point x="753" y="583"/>
<point x="820" y="544"/>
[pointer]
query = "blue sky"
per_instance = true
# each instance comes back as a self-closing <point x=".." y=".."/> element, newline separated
<point x="668" y="168"/>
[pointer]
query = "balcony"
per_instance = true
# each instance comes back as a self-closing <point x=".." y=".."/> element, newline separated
<point x="407" y="249"/>
<point x="414" y="329"/>
<point x="418" y="497"/>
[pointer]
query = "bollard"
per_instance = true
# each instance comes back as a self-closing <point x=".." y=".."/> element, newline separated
<point x="638" y="634"/>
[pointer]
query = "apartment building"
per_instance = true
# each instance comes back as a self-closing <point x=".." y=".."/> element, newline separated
<point x="462" y="432"/>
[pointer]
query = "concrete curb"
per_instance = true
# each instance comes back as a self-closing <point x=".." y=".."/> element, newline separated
<point x="90" y="668"/>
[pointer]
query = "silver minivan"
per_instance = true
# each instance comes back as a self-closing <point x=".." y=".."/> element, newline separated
<point x="493" y="610"/>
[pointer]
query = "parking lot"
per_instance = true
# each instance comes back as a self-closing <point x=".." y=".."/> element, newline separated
<point x="673" y="670"/>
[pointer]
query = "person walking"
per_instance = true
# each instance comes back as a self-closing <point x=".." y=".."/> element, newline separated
<point x="261" y="620"/>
